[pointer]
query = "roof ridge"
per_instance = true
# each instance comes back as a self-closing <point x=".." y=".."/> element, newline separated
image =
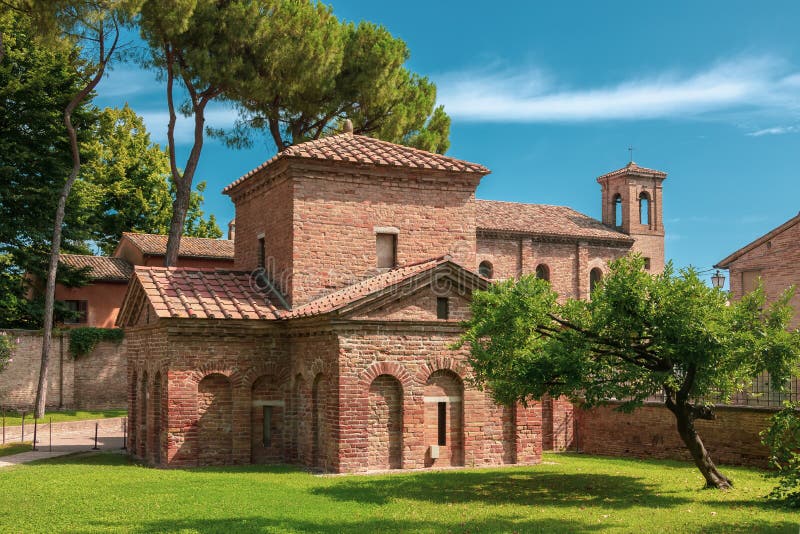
<point x="725" y="262"/>
<point x="352" y="148"/>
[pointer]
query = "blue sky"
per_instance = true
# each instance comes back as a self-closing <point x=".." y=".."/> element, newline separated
<point x="549" y="95"/>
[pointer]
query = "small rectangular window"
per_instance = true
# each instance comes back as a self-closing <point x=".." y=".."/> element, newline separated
<point x="386" y="245"/>
<point x="750" y="280"/>
<point x="78" y="311"/>
<point x="262" y="252"/>
<point x="442" y="423"/>
<point x="267" y="429"/>
<point x="442" y="308"/>
<point x="646" y="264"/>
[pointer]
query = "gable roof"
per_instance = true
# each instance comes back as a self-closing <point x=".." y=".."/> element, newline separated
<point x="198" y="293"/>
<point x="725" y="263"/>
<point x="423" y="272"/>
<point x="177" y="292"/>
<point x="543" y="220"/>
<point x="634" y="169"/>
<point x="99" y="267"/>
<point x="191" y="247"/>
<point x="353" y="148"/>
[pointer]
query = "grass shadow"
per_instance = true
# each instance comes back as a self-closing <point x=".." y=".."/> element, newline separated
<point x="259" y="524"/>
<point x="502" y="487"/>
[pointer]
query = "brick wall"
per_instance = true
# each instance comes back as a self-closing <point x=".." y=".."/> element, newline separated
<point x="568" y="262"/>
<point x="779" y="263"/>
<point x="419" y="358"/>
<point x="93" y="381"/>
<point x="336" y="213"/>
<point x="650" y="432"/>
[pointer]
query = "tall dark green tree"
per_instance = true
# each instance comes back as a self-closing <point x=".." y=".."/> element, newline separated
<point x="640" y="335"/>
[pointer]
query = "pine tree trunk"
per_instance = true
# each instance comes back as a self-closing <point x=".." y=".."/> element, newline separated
<point x="55" y="245"/>
<point x="685" y="421"/>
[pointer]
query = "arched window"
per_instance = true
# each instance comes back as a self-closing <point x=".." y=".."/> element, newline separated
<point x="486" y="270"/>
<point x="618" y="210"/>
<point x="543" y="272"/>
<point x="644" y="208"/>
<point x="595" y="275"/>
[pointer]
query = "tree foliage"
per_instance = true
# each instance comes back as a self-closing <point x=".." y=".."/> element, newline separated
<point x="356" y="72"/>
<point x="292" y="69"/>
<point x="640" y="335"/>
<point x="125" y="183"/>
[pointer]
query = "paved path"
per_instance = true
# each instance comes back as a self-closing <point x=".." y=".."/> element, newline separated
<point x="110" y="439"/>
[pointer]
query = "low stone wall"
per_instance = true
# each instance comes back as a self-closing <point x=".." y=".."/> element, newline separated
<point x="650" y="432"/>
<point x="90" y="382"/>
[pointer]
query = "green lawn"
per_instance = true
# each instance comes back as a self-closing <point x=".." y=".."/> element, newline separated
<point x="15" y="418"/>
<point x="14" y="448"/>
<point x="568" y="493"/>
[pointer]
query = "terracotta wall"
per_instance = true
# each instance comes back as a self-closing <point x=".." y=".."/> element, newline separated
<point x="104" y="300"/>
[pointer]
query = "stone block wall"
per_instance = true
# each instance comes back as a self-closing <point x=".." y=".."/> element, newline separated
<point x="650" y="432"/>
<point x="92" y="381"/>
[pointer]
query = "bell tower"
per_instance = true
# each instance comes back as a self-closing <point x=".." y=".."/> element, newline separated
<point x="632" y="204"/>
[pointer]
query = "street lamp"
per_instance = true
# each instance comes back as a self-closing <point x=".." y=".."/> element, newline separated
<point x="718" y="280"/>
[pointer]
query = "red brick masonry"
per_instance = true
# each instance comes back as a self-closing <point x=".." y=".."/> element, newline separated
<point x="308" y="353"/>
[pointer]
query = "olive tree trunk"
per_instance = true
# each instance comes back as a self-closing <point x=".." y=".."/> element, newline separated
<point x="685" y="416"/>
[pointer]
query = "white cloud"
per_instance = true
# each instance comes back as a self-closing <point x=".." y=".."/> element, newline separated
<point x="503" y="95"/>
<point x="776" y="130"/>
<point x="157" y="121"/>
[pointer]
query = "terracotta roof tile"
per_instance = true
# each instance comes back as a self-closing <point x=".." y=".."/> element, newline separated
<point x="362" y="149"/>
<point x="100" y="267"/>
<point x="543" y="220"/>
<point x="195" y="247"/>
<point x="633" y="168"/>
<point x="354" y="292"/>
<point x="204" y="294"/>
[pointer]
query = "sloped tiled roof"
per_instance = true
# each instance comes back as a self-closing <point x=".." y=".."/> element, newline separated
<point x="724" y="264"/>
<point x="543" y="220"/>
<point x="352" y="148"/>
<point x="195" y="247"/>
<point x="356" y="291"/>
<point x="203" y="294"/>
<point x="100" y="267"/>
<point x="176" y="292"/>
<point x="633" y="168"/>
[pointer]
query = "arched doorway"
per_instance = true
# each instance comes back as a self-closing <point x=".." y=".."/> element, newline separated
<point x="385" y="423"/>
<point x="214" y="424"/>
<point x="444" y="418"/>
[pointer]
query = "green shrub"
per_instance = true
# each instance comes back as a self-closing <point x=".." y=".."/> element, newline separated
<point x="783" y="439"/>
<point x="83" y="340"/>
<point x="6" y="345"/>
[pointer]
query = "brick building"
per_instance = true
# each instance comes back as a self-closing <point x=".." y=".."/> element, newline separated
<point x="329" y="342"/>
<point x="97" y="303"/>
<point x="774" y="259"/>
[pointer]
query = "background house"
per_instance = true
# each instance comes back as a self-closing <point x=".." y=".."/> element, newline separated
<point x="774" y="259"/>
<point x="97" y="303"/>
